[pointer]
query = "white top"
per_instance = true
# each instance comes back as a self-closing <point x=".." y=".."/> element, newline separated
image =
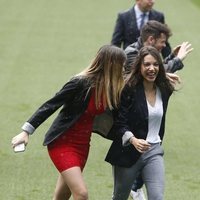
<point x="155" y="114"/>
<point x="155" y="117"/>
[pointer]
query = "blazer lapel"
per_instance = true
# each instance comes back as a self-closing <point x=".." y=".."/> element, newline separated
<point x="142" y="101"/>
<point x="152" y="15"/>
<point x="133" y="20"/>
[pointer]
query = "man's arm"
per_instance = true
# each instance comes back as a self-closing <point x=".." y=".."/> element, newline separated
<point x="118" y="35"/>
<point x="174" y="61"/>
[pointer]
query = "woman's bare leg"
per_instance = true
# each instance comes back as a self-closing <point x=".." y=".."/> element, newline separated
<point x="71" y="180"/>
<point x="62" y="192"/>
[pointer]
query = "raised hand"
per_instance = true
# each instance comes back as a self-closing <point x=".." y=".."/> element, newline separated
<point x="184" y="50"/>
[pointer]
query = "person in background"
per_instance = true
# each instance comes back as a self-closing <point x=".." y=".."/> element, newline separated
<point x="85" y="97"/>
<point x="139" y="127"/>
<point x="129" y="23"/>
<point x="156" y="34"/>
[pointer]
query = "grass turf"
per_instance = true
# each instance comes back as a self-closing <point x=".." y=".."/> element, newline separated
<point x="42" y="44"/>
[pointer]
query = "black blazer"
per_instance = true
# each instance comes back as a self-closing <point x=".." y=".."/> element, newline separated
<point x="126" y="31"/>
<point x="73" y="98"/>
<point x="132" y="116"/>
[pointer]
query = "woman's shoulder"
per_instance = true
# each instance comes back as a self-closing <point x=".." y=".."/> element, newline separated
<point x="132" y="88"/>
<point x="79" y="80"/>
<point x="129" y="92"/>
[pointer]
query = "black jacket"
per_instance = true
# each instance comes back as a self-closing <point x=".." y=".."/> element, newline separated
<point x="73" y="98"/>
<point x="126" y="31"/>
<point x="132" y="116"/>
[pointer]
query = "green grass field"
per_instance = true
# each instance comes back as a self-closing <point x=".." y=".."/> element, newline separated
<point x="42" y="44"/>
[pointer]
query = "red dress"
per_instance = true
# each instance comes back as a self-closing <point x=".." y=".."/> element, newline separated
<point x="72" y="147"/>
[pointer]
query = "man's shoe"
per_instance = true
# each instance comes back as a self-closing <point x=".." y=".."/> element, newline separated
<point x="138" y="195"/>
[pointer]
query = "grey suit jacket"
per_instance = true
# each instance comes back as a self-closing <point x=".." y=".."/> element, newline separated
<point x="171" y="63"/>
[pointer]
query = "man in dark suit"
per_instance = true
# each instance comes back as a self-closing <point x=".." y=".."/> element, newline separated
<point x="129" y="23"/>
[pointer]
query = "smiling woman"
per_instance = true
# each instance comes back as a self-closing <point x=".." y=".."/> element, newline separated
<point x="139" y="127"/>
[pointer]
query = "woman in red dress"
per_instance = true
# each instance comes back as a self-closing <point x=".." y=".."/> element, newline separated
<point x="85" y="96"/>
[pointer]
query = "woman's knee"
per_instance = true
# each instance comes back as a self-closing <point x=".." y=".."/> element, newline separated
<point x="81" y="194"/>
<point x="61" y="195"/>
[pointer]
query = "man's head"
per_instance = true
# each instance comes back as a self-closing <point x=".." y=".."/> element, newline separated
<point x="145" y="5"/>
<point x="155" y="34"/>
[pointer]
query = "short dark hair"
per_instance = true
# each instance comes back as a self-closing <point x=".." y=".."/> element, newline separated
<point x="155" y="29"/>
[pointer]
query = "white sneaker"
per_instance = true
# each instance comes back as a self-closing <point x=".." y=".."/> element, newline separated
<point x="138" y="195"/>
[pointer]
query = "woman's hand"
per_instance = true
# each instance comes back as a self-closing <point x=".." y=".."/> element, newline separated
<point x="20" y="138"/>
<point x="140" y="144"/>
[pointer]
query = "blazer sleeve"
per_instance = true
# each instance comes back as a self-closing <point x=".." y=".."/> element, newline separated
<point x="118" y="34"/>
<point x="172" y="64"/>
<point x="64" y="96"/>
<point x="121" y="122"/>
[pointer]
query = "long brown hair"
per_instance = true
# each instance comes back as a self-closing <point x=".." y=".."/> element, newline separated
<point x="135" y="76"/>
<point x="105" y="75"/>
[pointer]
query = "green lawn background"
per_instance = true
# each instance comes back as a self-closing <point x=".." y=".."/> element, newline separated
<point x="42" y="44"/>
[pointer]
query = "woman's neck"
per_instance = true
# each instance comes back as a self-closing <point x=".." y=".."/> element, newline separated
<point x="149" y="87"/>
<point x="150" y="93"/>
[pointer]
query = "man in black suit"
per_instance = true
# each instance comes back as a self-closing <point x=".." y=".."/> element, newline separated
<point x="129" y="23"/>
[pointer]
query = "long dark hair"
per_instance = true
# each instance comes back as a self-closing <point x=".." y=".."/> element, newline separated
<point x="135" y="77"/>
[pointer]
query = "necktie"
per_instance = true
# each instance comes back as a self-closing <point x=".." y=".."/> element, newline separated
<point x="143" y="15"/>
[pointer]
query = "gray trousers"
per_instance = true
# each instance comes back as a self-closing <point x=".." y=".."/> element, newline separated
<point x="151" y="165"/>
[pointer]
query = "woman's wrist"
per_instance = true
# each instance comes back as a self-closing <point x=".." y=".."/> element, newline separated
<point x="126" y="138"/>
<point x="28" y="128"/>
<point x="131" y="140"/>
